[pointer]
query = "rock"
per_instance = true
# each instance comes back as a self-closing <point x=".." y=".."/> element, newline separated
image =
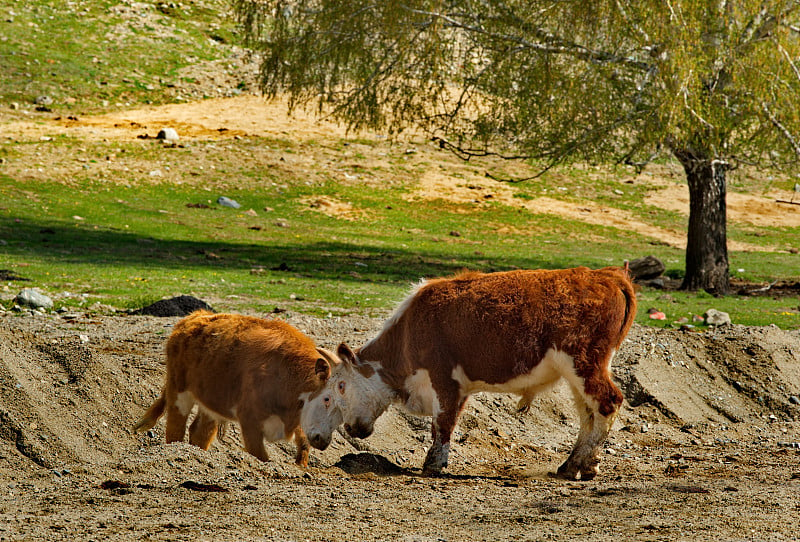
<point x="793" y="399"/>
<point x="43" y="100"/>
<point x="368" y="462"/>
<point x="646" y="268"/>
<point x="32" y="299"/>
<point x="714" y="317"/>
<point x="227" y="202"/>
<point x="177" y="306"/>
<point x="169" y="135"/>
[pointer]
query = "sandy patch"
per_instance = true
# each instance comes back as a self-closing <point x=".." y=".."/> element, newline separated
<point x="747" y="208"/>
<point x="333" y="207"/>
<point x="250" y="115"/>
<point x="214" y="118"/>
<point x="436" y="185"/>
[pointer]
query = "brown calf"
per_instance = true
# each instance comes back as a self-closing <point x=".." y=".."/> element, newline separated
<point x="259" y="372"/>
<point x="517" y="332"/>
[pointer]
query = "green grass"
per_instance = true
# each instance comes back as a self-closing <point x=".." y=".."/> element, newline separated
<point x="132" y="245"/>
<point x="136" y="241"/>
<point x="108" y="53"/>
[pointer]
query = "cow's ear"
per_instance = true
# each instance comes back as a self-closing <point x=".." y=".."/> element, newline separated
<point x="323" y="369"/>
<point x="346" y="355"/>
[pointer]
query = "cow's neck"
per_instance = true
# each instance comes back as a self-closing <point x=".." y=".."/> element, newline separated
<point x="383" y="355"/>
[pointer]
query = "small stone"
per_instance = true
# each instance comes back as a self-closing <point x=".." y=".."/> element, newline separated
<point x="32" y="299"/>
<point x="227" y="202"/>
<point x="169" y="135"/>
<point x="43" y="100"/>
<point x="714" y="317"/>
<point x="794" y="400"/>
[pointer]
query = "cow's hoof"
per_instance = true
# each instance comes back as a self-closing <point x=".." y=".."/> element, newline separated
<point x="431" y="470"/>
<point x="567" y="472"/>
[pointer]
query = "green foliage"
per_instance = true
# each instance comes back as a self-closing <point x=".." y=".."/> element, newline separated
<point x="567" y="80"/>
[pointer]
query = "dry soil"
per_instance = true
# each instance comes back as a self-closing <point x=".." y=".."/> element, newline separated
<point x="705" y="448"/>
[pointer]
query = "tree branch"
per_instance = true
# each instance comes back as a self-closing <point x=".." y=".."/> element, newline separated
<point x="782" y="129"/>
<point x="550" y="44"/>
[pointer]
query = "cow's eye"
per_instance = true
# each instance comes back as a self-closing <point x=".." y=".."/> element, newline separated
<point x="341" y="388"/>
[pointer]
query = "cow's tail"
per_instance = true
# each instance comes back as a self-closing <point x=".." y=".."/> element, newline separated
<point x="629" y="293"/>
<point x="152" y="415"/>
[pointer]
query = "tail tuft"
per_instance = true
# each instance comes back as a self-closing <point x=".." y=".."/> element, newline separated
<point x="152" y="415"/>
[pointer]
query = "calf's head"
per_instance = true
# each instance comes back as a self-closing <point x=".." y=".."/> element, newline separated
<point x="323" y="369"/>
<point x="354" y="395"/>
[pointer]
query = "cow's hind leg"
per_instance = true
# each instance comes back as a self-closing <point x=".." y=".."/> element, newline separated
<point x="203" y="430"/>
<point x="597" y="411"/>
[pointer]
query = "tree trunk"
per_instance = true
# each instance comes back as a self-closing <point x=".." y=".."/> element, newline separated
<point x="707" y="245"/>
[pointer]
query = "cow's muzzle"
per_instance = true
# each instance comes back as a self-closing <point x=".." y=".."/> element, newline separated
<point x="319" y="442"/>
<point x="359" y="429"/>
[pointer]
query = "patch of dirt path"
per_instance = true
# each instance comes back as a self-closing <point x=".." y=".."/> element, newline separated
<point x="706" y="447"/>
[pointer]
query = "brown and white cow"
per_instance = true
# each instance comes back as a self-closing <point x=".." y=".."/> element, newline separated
<point x="259" y="372"/>
<point x="517" y="332"/>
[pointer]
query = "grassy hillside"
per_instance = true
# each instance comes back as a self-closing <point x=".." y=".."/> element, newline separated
<point x="330" y="223"/>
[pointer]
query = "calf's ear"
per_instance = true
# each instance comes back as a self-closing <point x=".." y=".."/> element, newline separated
<point x="347" y="355"/>
<point x="323" y="369"/>
<point x="328" y="355"/>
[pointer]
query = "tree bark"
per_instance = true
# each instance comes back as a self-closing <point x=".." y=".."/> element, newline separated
<point x="707" y="245"/>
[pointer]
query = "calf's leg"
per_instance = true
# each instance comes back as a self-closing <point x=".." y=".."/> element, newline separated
<point x="178" y="408"/>
<point x="303" y="446"/>
<point x="203" y="430"/>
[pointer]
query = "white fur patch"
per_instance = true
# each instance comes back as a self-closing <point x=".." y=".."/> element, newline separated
<point x="273" y="428"/>
<point x="184" y="402"/>
<point x="554" y="365"/>
<point x="422" y="400"/>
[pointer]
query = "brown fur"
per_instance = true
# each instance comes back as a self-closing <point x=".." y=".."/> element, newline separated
<point x="499" y="326"/>
<point x="238" y="368"/>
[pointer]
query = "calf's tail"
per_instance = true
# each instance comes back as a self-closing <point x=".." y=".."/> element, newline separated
<point x="152" y="415"/>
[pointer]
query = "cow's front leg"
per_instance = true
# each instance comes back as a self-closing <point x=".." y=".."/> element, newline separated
<point x="442" y="429"/>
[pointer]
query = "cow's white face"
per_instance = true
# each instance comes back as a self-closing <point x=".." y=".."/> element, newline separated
<point x="354" y="395"/>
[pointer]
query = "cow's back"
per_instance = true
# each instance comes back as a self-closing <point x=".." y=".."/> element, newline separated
<point x="500" y="325"/>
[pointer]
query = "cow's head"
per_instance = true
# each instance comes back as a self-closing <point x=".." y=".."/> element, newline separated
<point x="354" y="395"/>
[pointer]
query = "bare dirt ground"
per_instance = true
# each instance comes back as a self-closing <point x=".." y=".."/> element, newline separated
<point x="705" y="448"/>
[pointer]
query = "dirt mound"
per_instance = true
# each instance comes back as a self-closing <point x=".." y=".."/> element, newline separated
<point x="182" y="305"/>
<point x="707" y="429"/>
